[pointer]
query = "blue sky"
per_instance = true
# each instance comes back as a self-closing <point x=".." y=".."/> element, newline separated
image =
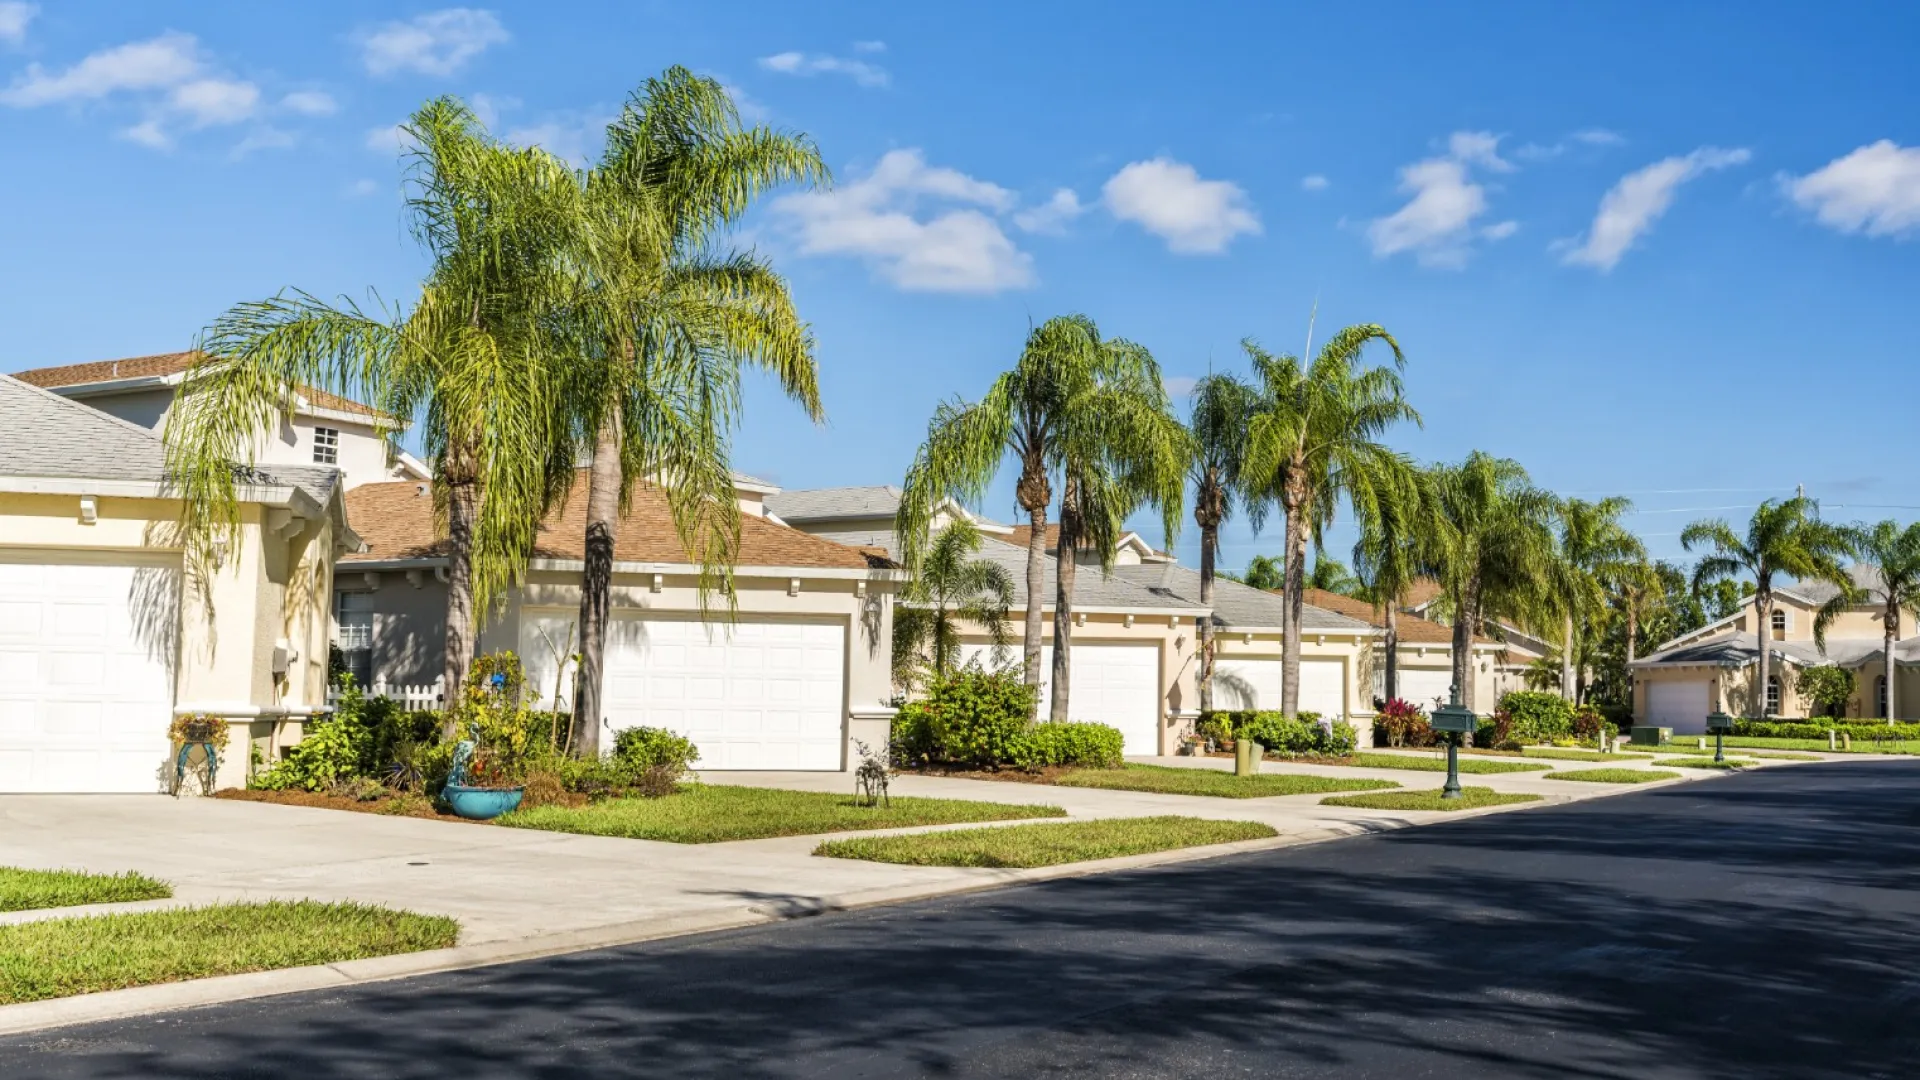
<point x="1661" y="251"/>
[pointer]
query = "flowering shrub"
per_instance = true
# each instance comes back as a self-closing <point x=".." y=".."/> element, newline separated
<point x="1402" y="723"/>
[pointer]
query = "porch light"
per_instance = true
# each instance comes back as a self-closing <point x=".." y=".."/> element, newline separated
<point x="1456" y="721"/>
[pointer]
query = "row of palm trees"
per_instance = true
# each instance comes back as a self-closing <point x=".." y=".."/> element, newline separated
<point x="566" y="315"/>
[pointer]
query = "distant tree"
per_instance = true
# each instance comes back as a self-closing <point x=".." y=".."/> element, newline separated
<point x="1331" y="575"/>
<point x="1389" y="556"/>
<point x="1828" y="687"/>
<point x="1785" y="537"/>
<point x="1893" y="553"/>
<point x="1263" y="572"/>
<point x="1593" y="550"/>
<point x="950" y="588"/>
<point x="1217" y="445"/>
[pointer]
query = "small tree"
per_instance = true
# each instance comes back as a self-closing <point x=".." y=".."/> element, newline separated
<point x="951" y="587"/>
<point x="1828" y="688"/>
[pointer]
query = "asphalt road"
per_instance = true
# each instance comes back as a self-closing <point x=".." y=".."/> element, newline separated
<point x="1766" y="924"/>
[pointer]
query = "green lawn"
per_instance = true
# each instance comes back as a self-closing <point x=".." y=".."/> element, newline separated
<point x="60" y="957"/>
<point x="1698" y="761"/>
<point x="710" y="813"/>
<point x="1167" y="780"/>
<point x="29" y="890"/>
<point x="1438" y="763"/>
<point x="1691" y="750"/>
<point x="1860" y="746"/>
<point x="1472" y="798"/>
<point x="1613" y="776"/>
<point x="1047" y="844"/>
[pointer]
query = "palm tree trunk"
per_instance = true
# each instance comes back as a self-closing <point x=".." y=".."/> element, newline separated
<point x="1036" y="597"/>
<point x="1209" y="540"/>
<point x="1466" y="617"/>
<point x="1763" y="606"/>
<point x="596" y="586"/>
<point x="1892" y="624"/>
<point x="1566" y="660"/>
<point x="463" y="509"/>
<point x="1064" y="567"/>
<point x="1391" y="684"/>
<point x="1296" y="584"/>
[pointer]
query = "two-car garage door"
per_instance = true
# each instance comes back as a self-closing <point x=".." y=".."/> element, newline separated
<point x="1117" y="685"/>
<point x="756" y="695"/>
<point x="85" y="688"/>
<point x="1255" y="684"/>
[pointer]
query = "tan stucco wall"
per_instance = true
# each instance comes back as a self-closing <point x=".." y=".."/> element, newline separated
<point x="270" y="586"/>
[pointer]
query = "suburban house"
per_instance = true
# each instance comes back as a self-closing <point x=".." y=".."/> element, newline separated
<point x="1425" y="671"/>
<point x="107" y="632"/>
<point x="1136" y="628"/>
<point x="789" y="678"/>
<point x="318" y="428"/>
<point x="1517" y="648"/>
<point x="1712" y="669"/>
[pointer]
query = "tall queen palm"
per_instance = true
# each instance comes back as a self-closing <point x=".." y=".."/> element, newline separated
<point x="472" y="354"/>
<point x="1314" y="440"/>
<point x="666" y="320"/>
<point x="1893" y="554"/>
<point x="1784" y="537"/>
<point x="1217" y="442"/>
<point x="1595" y="550"/>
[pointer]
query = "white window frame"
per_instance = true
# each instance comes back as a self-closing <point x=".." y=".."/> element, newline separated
<point x="1773" y="695"/>
<point x="326" y="446"/>
<point x="1782" y="621"/>
<point x="353" y="620"/>
<point x="1881" y="687"/>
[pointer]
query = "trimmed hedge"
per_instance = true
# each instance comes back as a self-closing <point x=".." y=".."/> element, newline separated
<point x="1817" y="729"/>
<point x="1093" y="746"/>
<point x="979" y="720"/>
<point x="1538" y="716"/>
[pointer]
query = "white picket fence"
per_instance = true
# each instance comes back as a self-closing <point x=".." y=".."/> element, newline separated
<point x="410" y="696"/>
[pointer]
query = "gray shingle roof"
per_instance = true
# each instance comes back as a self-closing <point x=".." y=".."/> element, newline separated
<point x="1091" y="588"/>
<point x="1819" y="592"/>
<point x="830" y="504"/>
<point x="1235" y="605"/>
<point x="44" y="434"/>
<point x="1740" y="649"/>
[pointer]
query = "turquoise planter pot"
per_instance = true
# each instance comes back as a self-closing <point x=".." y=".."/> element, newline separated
<point x="480" y="803"/>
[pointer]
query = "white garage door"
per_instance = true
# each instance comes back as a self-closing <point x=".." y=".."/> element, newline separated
<point x="1255" y="684"/>
<point x="1118" y="685"/>
<point x="1425" y="687"/>
<point x="758" y="695"/>
<point x="85" y="687"/>
<point x="1681" y="706"/>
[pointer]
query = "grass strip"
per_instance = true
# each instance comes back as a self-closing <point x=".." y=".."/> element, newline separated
<point x="1558" y="753"/>
<point x="1613" y="776"/>
<point x="1438" y="763"/>
<point x="85" y="954"/>
<point x="1045" y="844"/>
<point x="1168" y="780"/>
<point x="1699" y="762"/>
<point x="1472" y="798"/>
<point x="31" y="890"/>
<point x="712" y="813"/>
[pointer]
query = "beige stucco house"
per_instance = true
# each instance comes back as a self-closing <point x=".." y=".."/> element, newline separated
<point x="1136" y="627"/>
<point x="789" y="676"/>
<point x="1712" y="669"/>
<point x="106" y="632"/>
<point x="1425" y="671"/>
<point x="318" y="428"/>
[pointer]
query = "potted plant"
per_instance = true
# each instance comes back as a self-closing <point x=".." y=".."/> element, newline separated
<point x="486" y="764"/>
<point x="478" y="788"/>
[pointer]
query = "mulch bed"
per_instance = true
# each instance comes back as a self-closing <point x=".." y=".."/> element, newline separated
<point x="423" y="808"/>
<point x="1051" y="774"/>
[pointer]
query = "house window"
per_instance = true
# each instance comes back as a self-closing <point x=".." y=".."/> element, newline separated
<point x="1773" y="695"/>
<point x="326" y="446"/>
<point x="353" y="636"/>
<point x="1880" y="692"/>
<point x="1779" y="624"/>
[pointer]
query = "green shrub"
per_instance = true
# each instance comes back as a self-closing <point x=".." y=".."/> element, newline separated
<point x="1089" y="746"/>
<point x="1827" y="686"/>
<point x="1300" y="737"/>
<point x="1537" y="715"/>
<point x="336" y="748"/>
<point x="1590" y="723"/>
<point x="969" y="717"/>
<point x="1217" y="726"/>
<point x="1801" y="729"/>
<point x="640" y="748"/>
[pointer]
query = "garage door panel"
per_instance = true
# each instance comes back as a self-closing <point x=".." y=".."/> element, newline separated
<point x="1256" y="684"/>
<point x="1117" y="685"/>
<point x="1681" y="706"/>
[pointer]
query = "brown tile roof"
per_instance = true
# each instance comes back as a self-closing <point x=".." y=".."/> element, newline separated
<point x="160" y="365"/>
<point x="396" y="521"/>
<point x="1420" y="592"/>
<point x="1023" y="535"/>
<point x="1412" y="628"/>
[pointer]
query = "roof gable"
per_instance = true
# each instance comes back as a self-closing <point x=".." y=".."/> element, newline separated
<point x="48" y="435"/>
<point x="166" y="366"/>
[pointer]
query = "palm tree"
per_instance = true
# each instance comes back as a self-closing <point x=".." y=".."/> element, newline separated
<point x="1784" y="536"/>
<point x="472" y="353"/>
<point x="1314" y="440"/>
<point x="1594" y="550"/>
<point x="1263" y="572"/>
<point x="950" y="588"/>
<point x="1389" y="555"/>
<point x="1491" y="550"/>
<point x="1331" y="575"/>
<point x="666" y="320"/>
<point x="1217" y="439"/>
<point x="1893" y="554"/>
<point x="1090" y="412"/>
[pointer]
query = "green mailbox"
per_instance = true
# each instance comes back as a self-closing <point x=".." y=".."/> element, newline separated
<point x="1455" y="720"/>
<point x="1720" y="724"/>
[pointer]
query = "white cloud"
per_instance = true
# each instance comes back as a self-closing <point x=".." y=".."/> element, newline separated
<point x="1599" y="137"/>
<point x="392" y="140"/>
<point x="1875" y="190"/>
<point x="804" y="64"/>
<point x="574" y="136"/>
<point x="1314" y="182"/>
<point x="360" y="189"/>
<point x="1168" y="199"/>
<point x="1596" y="137"/>
<point x="1051" y="217"/>
<point x="14" y="17"/>
<point x="164" y="61"/>
<point x="878" y="219"/>
<point x="870" y="46"/>
<point x="206" y="102"/>
<point x="148" y="133"/>
<point x="266" y="138"/>
<point x="310" y="103"/>
<point x="1631" y="206"/>
<point x="437" y="43"/>
<point x="1179" y="386"/>
<point x="1437" y="223"/>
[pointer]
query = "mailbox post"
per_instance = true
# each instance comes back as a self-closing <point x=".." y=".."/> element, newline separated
<point x="1456" y="722"/>
<point x="1719" y="723"/>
